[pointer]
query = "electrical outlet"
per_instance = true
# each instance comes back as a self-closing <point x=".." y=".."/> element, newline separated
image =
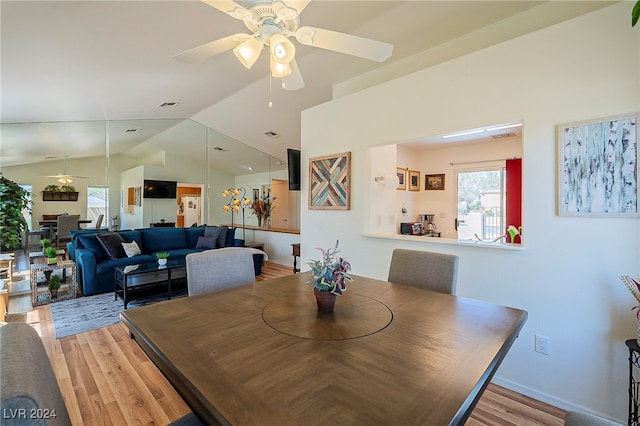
<point x="542" y="344"/>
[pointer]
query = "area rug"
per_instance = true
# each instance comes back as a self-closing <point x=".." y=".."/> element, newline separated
<point x="89" y="313"/>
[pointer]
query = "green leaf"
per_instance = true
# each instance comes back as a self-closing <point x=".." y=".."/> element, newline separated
<point x="635" y="14"/>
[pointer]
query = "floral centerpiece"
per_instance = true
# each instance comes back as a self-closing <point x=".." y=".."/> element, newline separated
<point x="331" y="272"/>
<point x="330" y="276"/>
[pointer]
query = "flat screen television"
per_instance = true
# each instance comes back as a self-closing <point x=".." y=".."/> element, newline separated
<point x="159" y="189"/>
<point x="293" y="162"/>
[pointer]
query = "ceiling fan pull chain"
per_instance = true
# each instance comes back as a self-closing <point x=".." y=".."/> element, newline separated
<point x="270" y="103"/>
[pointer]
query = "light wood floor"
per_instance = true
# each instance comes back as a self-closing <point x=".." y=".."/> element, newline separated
<point x="107" y="380"/>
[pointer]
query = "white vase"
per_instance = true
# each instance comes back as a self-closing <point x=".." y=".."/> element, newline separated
<point x="162" y="262"/>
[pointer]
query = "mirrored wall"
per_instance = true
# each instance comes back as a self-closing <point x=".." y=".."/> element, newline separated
<point x="122" y="155"/>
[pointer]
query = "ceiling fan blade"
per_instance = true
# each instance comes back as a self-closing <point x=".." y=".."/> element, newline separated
<point x="294" y="80"/>
<point x="289" y="9"/>
<point x="212" y="48"/>
<point x="344" y="43"/>
<point x="232" y="9"/>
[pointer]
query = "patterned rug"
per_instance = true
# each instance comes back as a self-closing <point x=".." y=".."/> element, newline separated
<point x="89" y="313"/>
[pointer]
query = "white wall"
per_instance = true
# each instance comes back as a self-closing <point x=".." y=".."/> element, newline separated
<point x="567" y="275"/>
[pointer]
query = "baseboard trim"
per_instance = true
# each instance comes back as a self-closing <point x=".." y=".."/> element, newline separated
<point x="549" y="399"/>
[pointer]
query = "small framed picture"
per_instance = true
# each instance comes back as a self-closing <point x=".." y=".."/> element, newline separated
<point x="256" y="194"/>
<point x="434" y="182"/>
<point x="414" y="180"/>
<point x="402" y="179"/>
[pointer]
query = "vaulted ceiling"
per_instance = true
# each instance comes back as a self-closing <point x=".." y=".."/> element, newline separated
<point x="67" y="61"/>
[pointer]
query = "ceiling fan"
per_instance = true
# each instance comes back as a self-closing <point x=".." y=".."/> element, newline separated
<point x="271" y="24"/>
<point x="64" y="177"/>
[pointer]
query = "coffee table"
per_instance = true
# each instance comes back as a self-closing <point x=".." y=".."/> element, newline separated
<point x="133" y="282"/>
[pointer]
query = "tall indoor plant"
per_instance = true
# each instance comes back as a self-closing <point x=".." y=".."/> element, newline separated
<point x="13" y="200"/>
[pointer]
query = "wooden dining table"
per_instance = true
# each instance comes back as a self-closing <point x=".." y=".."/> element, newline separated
<point x="388" y="354"/>
<point x="52" y="223"/>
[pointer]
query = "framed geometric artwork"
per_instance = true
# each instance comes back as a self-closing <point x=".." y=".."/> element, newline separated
<point x="330" y="182"/>
<point x="414" y="180"/>
<point x="598" y="167"/>
<point x="402" y="178"/>
<point x="434" y="182"/>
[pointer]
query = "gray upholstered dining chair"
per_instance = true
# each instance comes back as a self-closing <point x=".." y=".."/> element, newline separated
<point x="66" y="224"/>
<point x="98" y="223"/>
<point x="432" y="271"/>
<point x="217" y="269"/>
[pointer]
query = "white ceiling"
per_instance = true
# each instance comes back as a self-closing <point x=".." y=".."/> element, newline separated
<point x="66" y="61"/>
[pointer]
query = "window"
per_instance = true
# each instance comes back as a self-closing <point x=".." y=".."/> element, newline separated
<point x="481" y="201"/>
<point x="97" y="202"/>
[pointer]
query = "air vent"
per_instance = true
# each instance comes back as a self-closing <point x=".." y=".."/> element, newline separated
<point x="132" y="130"/>
<point x="168" y="104"/>
<point x="272" y="134"/>
<point x="50" y="157"/>
<point x="217" y="148"/>
<point x="503" y="135"/>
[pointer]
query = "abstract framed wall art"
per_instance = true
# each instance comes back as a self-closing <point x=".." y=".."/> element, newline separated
<point x="402" y="178"/>
<point x="330" y="182"/>
<point x="598" y="167"/>
<point x="414" y="180"/>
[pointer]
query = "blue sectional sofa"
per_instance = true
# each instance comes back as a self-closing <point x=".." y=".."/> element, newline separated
<point x="95" y="267"/>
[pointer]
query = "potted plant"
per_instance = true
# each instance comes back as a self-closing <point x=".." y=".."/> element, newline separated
<point x="52" y="188"/>
<point x="330" y="275"/>
<point x="54" y="285"/>
<point x="162" y="258"/>
<point x="68" y="188"/>
<point x="634" y="288"/>
<point x="52" y="255"/>
<point x="13" y="201"/>
<point x="45" y="242"/>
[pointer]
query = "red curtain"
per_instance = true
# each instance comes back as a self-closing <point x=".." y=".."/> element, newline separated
<point x="514" y="196"/>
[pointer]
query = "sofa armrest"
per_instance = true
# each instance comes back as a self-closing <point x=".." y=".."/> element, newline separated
<point x="29" y="392"/>
<point x="86" y="267"/>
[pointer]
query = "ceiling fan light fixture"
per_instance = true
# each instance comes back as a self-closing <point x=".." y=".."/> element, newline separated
<point x="65" y="179"/>
<point x="282" y="50"/>
<point x="248" y="52"/>
<point x="279" y="70"/>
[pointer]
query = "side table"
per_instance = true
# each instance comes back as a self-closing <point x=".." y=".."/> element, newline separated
<point x="295" y="251"/>
<point x="67" y="290"/>
<point x="634" y="384"/>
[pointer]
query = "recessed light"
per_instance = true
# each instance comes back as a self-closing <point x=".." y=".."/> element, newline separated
<point x="250" y="168"/>
<point x="272" y="134"/>
<point x="168" y="104"/>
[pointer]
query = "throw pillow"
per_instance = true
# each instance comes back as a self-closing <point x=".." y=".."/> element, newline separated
<point x="91" y="243"/>
<point x="112" y="244"/>
<point x="206" y="243"/>
<point x="131" y="249"/>
<point x="218" y="232"/>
